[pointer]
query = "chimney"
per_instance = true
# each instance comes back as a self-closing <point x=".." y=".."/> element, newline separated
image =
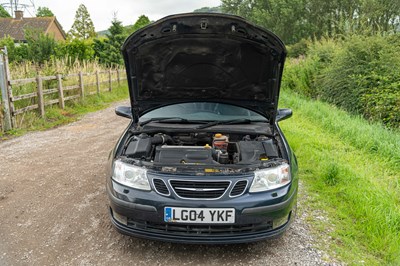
<point x="19" y="14"/>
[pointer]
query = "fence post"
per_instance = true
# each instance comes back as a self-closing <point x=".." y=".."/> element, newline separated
<point x="39" y="82"/>
<point x="4" y="91"/>
<point x="81" y="85"/>
<point x="118" y="77"/>
<point x="9" y="89"/>
<point x="60" y="91"/>
<point x="97" y="82"/>
<point x="109" y="80"/>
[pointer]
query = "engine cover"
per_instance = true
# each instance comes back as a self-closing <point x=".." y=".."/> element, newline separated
<point x="183" y="155"/>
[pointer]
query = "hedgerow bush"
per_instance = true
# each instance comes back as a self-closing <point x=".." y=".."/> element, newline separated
<point x="360" y="74"/>
<point x="302" y="74"/>
<point x="299" y="75"/>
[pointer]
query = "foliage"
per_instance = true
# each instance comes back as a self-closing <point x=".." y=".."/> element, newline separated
<point x="299" y="75"/>
<point x="99" y="48"/>
<point x="302" y="74"/>
<point x="44" y="12"/>
<point x="363" y="78"/>
<point x="215" y="9"/>
<point x="108" y="51"/>
<point x="76" y="49"/>
<point x="40" y="46"/>
<point x="141" y="22"/>
<point x="11" y="48"/>
<point x="359" y="78"/>
<point x="294" y="20"/>
<point x="298" y="49"/>
<point x="4" y="13"/>
<point x="83" y="27"/>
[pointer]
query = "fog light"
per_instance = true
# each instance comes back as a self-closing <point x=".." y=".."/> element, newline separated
<point x="279" y="222"/>
<point x="120" y="218"/>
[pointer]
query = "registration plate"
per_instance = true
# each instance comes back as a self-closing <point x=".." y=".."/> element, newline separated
<point x="199" y="215"/>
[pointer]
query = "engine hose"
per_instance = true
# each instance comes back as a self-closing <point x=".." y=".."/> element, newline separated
<point x="162" y="139"/>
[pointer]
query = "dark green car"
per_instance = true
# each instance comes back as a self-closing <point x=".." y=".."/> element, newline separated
<point x="203" y="159"/>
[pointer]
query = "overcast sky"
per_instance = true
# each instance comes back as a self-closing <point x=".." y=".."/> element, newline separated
<point x="101" y="11"/>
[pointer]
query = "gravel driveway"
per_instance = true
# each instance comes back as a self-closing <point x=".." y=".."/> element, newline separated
<point x="53" y="208"/>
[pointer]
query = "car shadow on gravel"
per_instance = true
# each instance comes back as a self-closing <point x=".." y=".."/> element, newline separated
<point x="183" y="254"/>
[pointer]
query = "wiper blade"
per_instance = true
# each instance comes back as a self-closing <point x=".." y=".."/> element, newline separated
<point x="160" y="119"/>
<point x="171" y="120"/>
<point x="226" y="122"/>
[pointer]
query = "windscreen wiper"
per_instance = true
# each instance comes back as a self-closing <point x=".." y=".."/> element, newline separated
<point x="171" y="120"/>
<point x="159" y="119"/>
<point x="226" y="122"/>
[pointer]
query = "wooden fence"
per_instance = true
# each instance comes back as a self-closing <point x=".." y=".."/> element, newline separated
<point x="58" y="90"/>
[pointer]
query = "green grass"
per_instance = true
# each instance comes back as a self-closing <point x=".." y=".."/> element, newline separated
<point x="350" y="169"/>
<point x="55" y="116"/>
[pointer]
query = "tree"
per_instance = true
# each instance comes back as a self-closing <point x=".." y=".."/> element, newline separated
<point x="206" y="9"/>
<point x="286" y="18"/>
<point x="380" y="15"/>
<point x="4" y="13"/>
<point x="41" y="47"/>
<point x="83" y="27"/>
<point x="99" y="47"/>
<point x="294" y="20"/>
<point x="44" y="12"/>
<point x="140" y="23"/>
<point x="110" y="48"/>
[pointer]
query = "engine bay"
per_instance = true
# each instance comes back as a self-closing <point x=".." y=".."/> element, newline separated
<point x="201" y="148"/>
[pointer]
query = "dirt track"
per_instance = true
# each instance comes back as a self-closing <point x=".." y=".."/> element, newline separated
<point x="53" y="208"/>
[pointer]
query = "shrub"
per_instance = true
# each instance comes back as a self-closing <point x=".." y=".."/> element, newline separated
<point x="364" y="78"/>
<point x="298" y="49"/>
<point x="299" y="75"/>
<point x="359" y="73"/>
<point x="76" y="49"/>
<point x="302" y="74"/>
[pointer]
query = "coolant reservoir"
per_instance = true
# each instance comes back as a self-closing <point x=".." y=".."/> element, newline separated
<point x="220" y="141"/>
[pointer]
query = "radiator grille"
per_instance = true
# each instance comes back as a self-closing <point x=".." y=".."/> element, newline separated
<point x="199" y="189"/>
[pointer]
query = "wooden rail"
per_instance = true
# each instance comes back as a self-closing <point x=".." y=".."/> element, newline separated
<point x="61" y="89"/>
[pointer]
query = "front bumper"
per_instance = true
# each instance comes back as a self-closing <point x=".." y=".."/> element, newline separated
<point x="255" y="216"/>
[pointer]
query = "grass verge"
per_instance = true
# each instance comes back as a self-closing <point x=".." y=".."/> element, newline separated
<point x="55" y="116"/>
<point x="351" y="171"/>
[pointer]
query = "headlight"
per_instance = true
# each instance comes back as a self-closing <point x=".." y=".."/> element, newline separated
<point x="130" y="175"/>
<point x="271" y="178"/>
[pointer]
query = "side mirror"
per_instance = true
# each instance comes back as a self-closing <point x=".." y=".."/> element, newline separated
<point x="283" y="114"/>
<point x="124" y="111"/>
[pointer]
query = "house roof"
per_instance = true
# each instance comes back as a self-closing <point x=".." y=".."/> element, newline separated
<point x="15" y="27"/>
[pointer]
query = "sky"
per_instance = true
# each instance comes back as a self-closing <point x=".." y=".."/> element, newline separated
<point x="128" y="11"/>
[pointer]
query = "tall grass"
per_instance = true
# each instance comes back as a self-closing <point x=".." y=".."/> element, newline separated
<point x="351" y="169"/>
<point x="65" y="66"/>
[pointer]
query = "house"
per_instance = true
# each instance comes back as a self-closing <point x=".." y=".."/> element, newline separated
<point x="14" y="27"/>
